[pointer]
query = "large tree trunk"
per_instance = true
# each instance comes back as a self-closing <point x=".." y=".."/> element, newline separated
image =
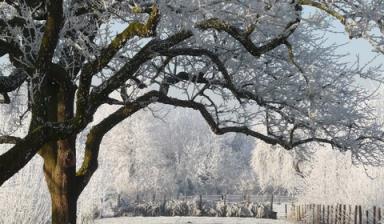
<point x="57" y="99"/>
<point x="63" y="209"/>
<point x="60" y="176"/>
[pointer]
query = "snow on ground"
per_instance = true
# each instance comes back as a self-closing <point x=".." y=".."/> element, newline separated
<point x="188" y="220"/>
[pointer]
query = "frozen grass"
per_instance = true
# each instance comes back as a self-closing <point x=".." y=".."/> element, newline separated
<point x="187" y="220"/>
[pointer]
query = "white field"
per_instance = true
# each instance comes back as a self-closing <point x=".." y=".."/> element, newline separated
<point x="187" y="220"/>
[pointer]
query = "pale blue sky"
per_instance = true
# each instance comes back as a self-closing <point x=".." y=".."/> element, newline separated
<point x="354" y="47"/>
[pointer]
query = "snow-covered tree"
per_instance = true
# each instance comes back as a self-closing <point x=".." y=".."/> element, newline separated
<point x="177" y="154"/>
<point x="253" y="67"/>
<point x="326" y="177"/>
<point x="332" y="178"/>
<point x="275" y="168"/>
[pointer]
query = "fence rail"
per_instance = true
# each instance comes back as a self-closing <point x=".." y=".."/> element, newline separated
<point x="230" y="198"/>
<point x="335" y="214"/>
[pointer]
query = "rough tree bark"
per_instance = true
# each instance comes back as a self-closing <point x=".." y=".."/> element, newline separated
<point x="59" y="156"/>
<point x="60" y="176"/>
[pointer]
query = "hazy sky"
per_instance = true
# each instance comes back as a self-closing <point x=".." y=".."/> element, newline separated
<point x="355" y="48"/>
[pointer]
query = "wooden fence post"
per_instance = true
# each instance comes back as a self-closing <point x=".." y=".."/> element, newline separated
<point x="379" y="215"/>
<point x="349" y="214"/>
<point x="374" y="214"/>
<point x="323" y="214"/>
<point x="337" y="214"/>
<point x="162" y="210"/>
<point x="341" y="216"/>
<point x="360" y="215"/>
<point x="344" y="213"/>
<point x="286" y="211"/>
<point x="367" y="216"/>
<point x="313" y="213"/>
<point x="301" y="212"/>
<point x="297" y="213"/>
<point x="306" y="209"/>
<point x="225" y="205"/>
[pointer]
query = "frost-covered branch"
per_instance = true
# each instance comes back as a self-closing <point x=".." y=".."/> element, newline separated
<point x="6" y="139"/>
<point x="215" y="127"/>
<point x="97" y="132"/>
<point x="323" y="6"/>
<point x="11" y="83"/>
<point x="149" y="51"/>
<point x="134" y="29"/>
<point x="244" y="36"/>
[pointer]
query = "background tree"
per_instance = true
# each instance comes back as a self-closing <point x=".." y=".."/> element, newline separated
<point x="179" y="155"/>
<point x="251" y="67"/>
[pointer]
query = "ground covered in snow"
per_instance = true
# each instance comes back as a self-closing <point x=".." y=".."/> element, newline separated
<point x="187" y="220"/>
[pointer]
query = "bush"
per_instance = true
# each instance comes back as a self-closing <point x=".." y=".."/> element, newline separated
<point x="191" y="207"/>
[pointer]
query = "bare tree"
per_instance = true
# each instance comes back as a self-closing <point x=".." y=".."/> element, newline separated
<point x="251" y="67"/>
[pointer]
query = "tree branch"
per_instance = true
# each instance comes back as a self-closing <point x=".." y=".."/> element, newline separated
<point x="51" y="34"/>
<point x="25" y="149"/>
<point x="239" y="129"/>
<point x="100" y="93"/>
<point x="11" y="82"/>
<point x="134" y="29"/>
<point x="5" y="48"/>
<point x="95" y="136"/>
<point x="324" y="7"/>
<point x="244" y="36"/>
<point x="7" y="139"/>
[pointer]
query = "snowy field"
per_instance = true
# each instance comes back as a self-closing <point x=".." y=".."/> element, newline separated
<point x="187" y="220"/>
